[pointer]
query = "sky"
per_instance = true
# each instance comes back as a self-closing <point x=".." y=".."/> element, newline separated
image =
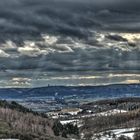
<point x="69" y="42"/>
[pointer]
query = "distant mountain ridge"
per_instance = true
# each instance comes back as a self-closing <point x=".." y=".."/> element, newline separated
<point x="102" y="91"/>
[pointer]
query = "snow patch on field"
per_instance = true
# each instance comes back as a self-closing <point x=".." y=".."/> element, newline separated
<point x="129" y="132"/>
<point x="68" y="121"/>
<point x="111" y="112"/>
<point x="77" y="122"/>
<point x="106" y="113"/>
<point x="108" y="135"/>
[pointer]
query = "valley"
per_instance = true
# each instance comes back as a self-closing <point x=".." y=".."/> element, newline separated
<point x="104" y="116"/>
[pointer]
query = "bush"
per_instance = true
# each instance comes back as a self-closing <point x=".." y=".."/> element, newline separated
<point x="137" y="135"/>
<point x="124" y="138"/>
<point x="65" y="130"/>
<point x="57" y="128"/>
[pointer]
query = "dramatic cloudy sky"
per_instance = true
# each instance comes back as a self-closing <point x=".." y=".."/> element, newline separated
<point x="69" y="42"/>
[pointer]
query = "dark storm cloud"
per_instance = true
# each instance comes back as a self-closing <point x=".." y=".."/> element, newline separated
<point x="67" y="17"/>
<point x="73" y="55"/>
<point x="117" y="38"/>
<point x="77" y="37"/>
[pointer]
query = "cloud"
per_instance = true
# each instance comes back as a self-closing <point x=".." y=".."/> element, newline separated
<point x="50" y="40"/>
<point x="18" y="82"/>
<point x="131" y="81"/>
<point x="97" y="52"/>
<point x="69" y="36"/>
<point x="73" y="18"/>
<point x="31" y="51"/>
<point x="63" y="48"/>
<point x="117" y="38"/>
<point x="3" y="54"/>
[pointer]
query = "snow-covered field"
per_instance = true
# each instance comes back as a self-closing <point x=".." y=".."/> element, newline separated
<point x="77" y="122"/>
<point x="106" y="113"/>
<point x="109" y="135"/>
<point x="68" y="121"/>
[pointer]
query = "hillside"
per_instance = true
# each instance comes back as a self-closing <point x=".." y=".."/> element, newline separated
<point x="116" y="119"/>
<point x="21" y="123"/>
